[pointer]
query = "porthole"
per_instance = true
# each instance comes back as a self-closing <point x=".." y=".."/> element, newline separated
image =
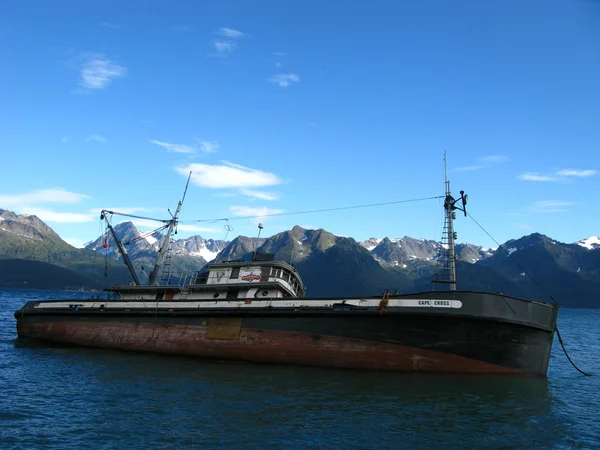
<point x="215" y="295"/>
<point x="265" y="293"/>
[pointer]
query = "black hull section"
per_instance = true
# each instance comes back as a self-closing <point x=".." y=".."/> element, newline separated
<point x="515" y="347"/>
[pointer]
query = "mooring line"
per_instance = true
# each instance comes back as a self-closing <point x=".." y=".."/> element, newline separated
<point x="538" y="285"/>
<point x="567" y="355"/>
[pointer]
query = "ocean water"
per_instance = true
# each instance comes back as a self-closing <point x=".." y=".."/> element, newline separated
<point x="61" y="397"/>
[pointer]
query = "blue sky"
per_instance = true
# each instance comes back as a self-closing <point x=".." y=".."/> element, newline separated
<point x="292" y="106"/>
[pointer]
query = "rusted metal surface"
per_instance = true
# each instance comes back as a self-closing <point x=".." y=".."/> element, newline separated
<point x="224" y="328"/>
<point x="220" y="340"/>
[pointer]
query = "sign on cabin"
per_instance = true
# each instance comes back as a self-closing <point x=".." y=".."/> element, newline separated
<point x="249" y="275"/>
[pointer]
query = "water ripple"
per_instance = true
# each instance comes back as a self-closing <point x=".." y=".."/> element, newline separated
<point x="68" y="397"/>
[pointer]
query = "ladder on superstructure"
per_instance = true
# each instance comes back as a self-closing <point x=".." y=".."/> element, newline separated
<point x="166" y="266"/>
<point x="445" y="273"/>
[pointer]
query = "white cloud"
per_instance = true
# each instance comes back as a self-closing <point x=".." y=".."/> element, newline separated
<point x="197" y="229"/>
<point x="64" y="139"/>
<point x="534" y="176"/>
<point x="209" y="146"/>
<point x="224" y="48"/>
<point x="259" y="194"/>
<point x="284" y="79"/>
<point x="257" y="215"/>
<point x="98" y="71"/>
<point x="468" y="168"/>
<point x="126" y="210"/>
<point x="278" y="65"/>
<point x="576" y="173"/>
<point x="493" y="159"/>
<point x="204" y="146"/>
<point x="560" y="175"/>
<point x="247" y="211"/>
<point x="27" y="204"/>
<point x="54" y="195"/>
<point x="139" y="223"/>
<point x="228" y="175"/>
<point x="230" y="33"/>
<point x="483" y="163"/>
<point x="279" y="54"/>
<point x="57" y="217"/>
<point x="550" y="206"/>
<point x="176" y="148"/>
<point x="77" y="243"/>
<point x="96" y="138"/>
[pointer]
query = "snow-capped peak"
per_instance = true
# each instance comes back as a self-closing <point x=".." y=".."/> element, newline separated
<point x="371" y="243"/>
<point x="151" y="239"/>
<point x="591" y="243"/>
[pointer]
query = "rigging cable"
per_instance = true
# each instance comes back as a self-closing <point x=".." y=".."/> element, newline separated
<point x="146" y="235"/>
<point x="537" y="284"/>
<point x="318" y="210"/>
<point x="106" y="241"/>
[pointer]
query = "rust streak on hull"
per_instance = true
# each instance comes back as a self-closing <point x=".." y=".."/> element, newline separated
<point x="256" y="345"/>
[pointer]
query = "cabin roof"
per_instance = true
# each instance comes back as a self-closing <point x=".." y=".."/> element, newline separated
<point x="281" y="264"/>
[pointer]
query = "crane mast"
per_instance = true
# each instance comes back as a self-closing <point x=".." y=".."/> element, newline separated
<point x="104" y="215"/>
<point x="164" y="248"/>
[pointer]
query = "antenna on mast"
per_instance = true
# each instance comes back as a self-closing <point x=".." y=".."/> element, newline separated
<point x="260" y="227"/>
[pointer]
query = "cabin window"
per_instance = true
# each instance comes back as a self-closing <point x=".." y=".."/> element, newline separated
<point x="160" y="296"/>
<point x="264" y="275"/>
<point x="286" y="276"/>
<point x="232" y="294"/>
<point x="202" y="278"/>
<point x="235" y="272"/>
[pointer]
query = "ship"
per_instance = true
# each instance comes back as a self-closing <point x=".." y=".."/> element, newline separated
<point x="255" y="310"/>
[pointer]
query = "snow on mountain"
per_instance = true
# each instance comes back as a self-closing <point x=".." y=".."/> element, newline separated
<point x="371" y="243"/>
<point x="136" y="243"/>
<point x="591" y="243"/>
<point x="402" y="251"/>
<point x="140" y="245"/>
<point x="198" y="247"/>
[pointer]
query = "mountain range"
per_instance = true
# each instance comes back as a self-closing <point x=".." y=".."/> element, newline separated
<point x="30" y="250"/>
<point x="533" y="266"/>
<point x="186" y="254"/>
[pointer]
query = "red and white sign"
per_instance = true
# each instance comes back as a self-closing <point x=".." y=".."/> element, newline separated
<point x="251" y="277"/>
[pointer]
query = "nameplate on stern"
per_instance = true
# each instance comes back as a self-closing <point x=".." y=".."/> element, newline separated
<point x="430" y="303"/>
